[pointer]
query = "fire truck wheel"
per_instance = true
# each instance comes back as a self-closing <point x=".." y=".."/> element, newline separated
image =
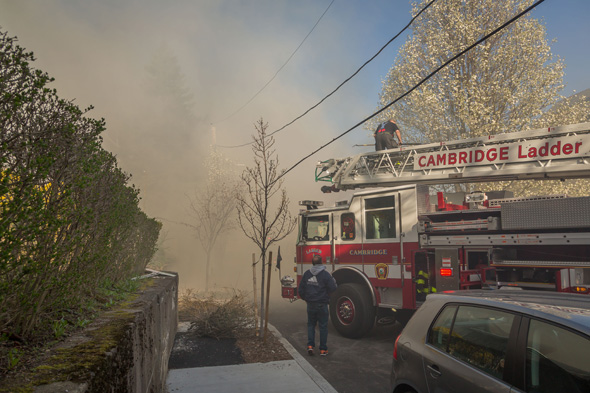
<point x="351" y="310"/>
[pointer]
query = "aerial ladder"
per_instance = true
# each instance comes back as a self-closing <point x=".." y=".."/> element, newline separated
<point x="549" y="153"/>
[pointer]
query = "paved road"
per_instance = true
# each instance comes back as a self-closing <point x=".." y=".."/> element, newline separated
<point x="359" y="365"/>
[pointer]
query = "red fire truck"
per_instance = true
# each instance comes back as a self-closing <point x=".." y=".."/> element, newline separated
<point x="376" y="243"/>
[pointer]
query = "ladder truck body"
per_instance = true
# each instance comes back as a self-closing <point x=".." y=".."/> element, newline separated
<point x="376" y="243"/>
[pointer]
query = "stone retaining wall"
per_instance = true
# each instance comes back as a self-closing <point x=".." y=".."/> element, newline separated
<point x="125" y="350"/>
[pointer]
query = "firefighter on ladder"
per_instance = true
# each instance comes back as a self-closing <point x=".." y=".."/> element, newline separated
<point x="423" y="287"/>
<point x="384" y="136"/>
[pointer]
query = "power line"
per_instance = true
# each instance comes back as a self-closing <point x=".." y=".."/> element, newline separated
<point x="518" y="16"/>
<point x="279" y="70"/>
<point x="345" y="81"/>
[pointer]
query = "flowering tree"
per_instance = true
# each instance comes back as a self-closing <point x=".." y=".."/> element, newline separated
<point x="511" y="82"/>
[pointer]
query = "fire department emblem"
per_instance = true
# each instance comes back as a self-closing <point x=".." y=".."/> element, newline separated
<point x="381" y="271"/>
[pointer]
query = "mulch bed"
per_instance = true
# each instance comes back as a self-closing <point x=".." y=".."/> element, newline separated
<point x="256" y="350"/>
<point x="192" y="351"/>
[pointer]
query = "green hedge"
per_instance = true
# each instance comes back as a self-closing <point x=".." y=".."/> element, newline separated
<point x="69" y="222"/>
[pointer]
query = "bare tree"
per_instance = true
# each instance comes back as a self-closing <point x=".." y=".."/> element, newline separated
<point x="261" y="219"/>
<point x="213" y="206"/>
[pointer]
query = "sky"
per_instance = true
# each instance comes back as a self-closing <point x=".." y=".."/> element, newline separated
<point x="227" y="50"/>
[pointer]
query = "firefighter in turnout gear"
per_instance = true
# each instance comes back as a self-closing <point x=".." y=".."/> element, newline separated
<point x="387" y="136"/>
<point x="423" y="287"/>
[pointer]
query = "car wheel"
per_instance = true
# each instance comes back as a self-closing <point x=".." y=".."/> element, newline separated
<point x="351" y="310"/>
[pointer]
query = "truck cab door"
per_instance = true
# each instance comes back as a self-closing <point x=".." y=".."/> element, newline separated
<point x="347" y="238"/>
<point x="316" y="238"/>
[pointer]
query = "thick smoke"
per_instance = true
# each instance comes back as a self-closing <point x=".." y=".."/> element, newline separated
<point x="165" y="75"/>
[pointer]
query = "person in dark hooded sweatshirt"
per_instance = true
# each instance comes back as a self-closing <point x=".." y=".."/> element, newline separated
<point x="315" y="288"/>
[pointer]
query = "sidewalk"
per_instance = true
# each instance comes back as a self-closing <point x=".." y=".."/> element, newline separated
<point x="295" y="375"/>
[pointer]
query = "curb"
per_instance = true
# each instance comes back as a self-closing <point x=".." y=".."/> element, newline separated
<point x="304" y="364"/>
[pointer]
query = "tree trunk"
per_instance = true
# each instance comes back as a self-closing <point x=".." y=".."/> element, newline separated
<point x="255" y="300"/>
<point x="267" y="296"/>
<point x="207" y="262"/>
<point x="262" y="293"/>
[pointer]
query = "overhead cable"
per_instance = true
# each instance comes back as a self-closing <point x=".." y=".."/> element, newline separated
<point x="345" y="81"/>
<point x="279" y="70"/>
<point x="518" y="16"/>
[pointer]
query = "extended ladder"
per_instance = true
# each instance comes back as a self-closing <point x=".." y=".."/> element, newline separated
<point x="549" y="153"/>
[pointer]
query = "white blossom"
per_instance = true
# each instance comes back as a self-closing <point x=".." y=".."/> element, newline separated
<point x="510" y="82"/>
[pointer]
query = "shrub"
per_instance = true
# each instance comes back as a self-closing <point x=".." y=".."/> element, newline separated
<point x="68" y="219"/>
<point x="219" y="315"/>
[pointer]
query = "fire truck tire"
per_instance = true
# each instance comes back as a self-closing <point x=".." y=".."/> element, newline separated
<point x="352" y="311"/>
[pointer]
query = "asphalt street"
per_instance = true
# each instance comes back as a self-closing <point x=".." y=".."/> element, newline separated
<point x="352" y="365"/>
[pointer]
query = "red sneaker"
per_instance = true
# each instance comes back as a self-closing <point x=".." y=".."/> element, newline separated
<point x="323" y="352"/>
<point x="310" y="350"/>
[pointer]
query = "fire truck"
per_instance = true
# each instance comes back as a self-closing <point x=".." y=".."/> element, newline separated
<point x="376" y="243"/>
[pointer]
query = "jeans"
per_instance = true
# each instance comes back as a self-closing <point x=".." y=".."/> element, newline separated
<point x="317" y="313"/>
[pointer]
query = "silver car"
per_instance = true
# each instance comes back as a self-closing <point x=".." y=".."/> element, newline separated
<point x="495" y="341"/>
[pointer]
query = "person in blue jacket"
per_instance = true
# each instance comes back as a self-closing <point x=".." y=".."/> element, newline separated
<point x="315" y="288"/>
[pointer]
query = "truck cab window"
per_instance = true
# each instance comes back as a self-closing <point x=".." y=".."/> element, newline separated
<point x="380" y="218"/>
<point x="316" y="228"/>
<point x="347" y="226"/>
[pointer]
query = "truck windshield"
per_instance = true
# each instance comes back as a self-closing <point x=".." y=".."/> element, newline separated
<point x="316" y="228"/>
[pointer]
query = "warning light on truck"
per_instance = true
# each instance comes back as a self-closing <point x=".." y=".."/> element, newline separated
<point x="447" y="272"/>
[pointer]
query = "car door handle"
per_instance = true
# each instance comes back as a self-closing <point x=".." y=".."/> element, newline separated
<point x="434" y="371"/>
